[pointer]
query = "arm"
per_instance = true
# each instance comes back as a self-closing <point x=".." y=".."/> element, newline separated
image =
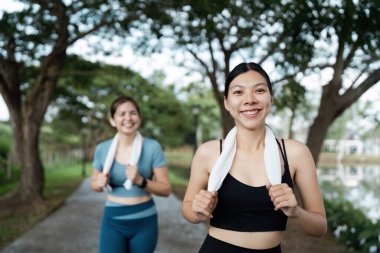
<point x="98" y="180"/>
<point x="311" y="217"/>
<point x="160" y="185"/>
<point x="198" y="203"/>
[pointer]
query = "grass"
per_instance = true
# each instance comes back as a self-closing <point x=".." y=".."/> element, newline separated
<point x="8" y="185"/>
<point x="179" y="176"/>
<point x="179" y="169"/>
<point x="61" y="181"/>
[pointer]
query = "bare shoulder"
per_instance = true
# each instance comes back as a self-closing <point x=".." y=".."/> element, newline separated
<point x="295" y="148"/>
<point x="207" y="153"/>
<point x="213" y="144"/>
<point x="298" y="154"/>
<point x="210" y="148"/>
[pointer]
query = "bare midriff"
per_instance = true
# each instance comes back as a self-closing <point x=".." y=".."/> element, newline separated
<point x="250" y="240"/>
<point x="130" y="200"/>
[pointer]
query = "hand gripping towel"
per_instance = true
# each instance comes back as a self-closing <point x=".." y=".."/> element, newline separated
<point x="135" y="156"/>
<point x="224" y="162"/>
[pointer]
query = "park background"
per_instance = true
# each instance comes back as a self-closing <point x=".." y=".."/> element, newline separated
<point x="63" y="62"/>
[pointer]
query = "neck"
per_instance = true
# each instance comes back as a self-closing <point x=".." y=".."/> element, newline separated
<point x="127" y="139"/>
<point x="250" y="139"/>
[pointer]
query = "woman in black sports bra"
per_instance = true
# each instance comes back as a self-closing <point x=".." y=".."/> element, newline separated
<point x="247" y="213"/>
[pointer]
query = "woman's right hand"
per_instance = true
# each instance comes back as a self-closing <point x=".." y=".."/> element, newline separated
<point x="102" y="180"/>
<point x="204" y="204"/>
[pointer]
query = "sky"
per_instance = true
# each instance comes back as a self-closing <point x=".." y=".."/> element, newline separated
<point x="143" y="65"/>
<point x="147" y="65"/>
<point x="174" y="74"/>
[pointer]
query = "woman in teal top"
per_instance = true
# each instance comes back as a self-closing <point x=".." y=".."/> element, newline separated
<point x="129" y="222"/>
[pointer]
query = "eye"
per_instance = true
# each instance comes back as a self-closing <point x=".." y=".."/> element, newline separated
<point x="237" y="92"/>
<point x="260" y="90"/>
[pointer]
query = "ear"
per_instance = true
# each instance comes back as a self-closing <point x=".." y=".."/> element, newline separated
<point x="226" y="104"/>
<point x="112" y="122"/>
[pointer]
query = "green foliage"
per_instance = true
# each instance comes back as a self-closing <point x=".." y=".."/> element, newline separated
<point x="198" y="95"/>
<point x="351" y="226"/>
<point x="291" y="95"/>
<point x="346" y="125"/>
<point x="5" y="144"/>
<point x="179" y="175"/>
<point x="61" y="181"/>
<point x="8" y="184"/>
<point x="86" y="91"/>
<point x="5" y="139"/>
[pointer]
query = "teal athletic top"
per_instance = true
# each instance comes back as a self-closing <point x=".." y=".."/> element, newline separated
<point x="151" y="157"/>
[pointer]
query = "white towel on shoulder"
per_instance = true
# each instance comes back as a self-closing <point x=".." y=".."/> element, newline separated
<point x="135" y="156"/>
<point x="224" y="162"/>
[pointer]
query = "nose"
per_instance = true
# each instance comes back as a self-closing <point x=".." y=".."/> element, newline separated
<point x="128" y="116"/>
<point x="250" y="98"/>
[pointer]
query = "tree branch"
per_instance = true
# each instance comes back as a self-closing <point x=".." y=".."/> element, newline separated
<point x="273" y="47"/>
<point x="353" y="94"/>
<point x="351" y="54"/>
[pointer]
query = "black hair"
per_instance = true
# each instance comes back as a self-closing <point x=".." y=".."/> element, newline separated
<point x="243" y="68"/>
<point x="121" y="100"/>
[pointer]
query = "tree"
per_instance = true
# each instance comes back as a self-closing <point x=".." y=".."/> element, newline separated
<point x="350" y="48"/>
<point x="87" y="89"/>
<point x="39" y="34"/>
<point x="199" y="96"/>
<point x="300" y="37"/>
<point x="213" y="32"/>
<point x="291" y="96"/>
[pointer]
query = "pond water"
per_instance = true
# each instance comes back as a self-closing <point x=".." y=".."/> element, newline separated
<point x="359" y="184"/>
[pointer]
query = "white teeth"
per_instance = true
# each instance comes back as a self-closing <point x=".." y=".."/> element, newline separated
<point x="250" y="112"/>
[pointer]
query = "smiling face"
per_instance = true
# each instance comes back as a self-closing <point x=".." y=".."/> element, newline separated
<point x="126" y="118"/>
<point x="249" y="99"/>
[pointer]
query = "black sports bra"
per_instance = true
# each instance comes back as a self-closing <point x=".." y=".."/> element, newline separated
<point x="247" y="208"/>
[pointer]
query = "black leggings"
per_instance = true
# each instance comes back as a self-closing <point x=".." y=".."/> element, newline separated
<point x="213" y="245"/>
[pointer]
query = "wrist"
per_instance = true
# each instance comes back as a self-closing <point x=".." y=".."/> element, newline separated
<point x="142" y="182"/>
<point x="196" y="218"/>
<point x="297" y="212"/>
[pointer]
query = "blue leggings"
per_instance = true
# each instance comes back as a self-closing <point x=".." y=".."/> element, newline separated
<point x="132" y="229"/>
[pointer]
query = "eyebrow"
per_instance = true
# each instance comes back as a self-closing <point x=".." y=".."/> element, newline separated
<point x="124" y="111"/>
<point x="241" y="86"/>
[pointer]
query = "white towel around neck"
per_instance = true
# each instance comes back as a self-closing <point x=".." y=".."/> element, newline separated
<point x="224" y="162"/>
<point x="135" y="156"/>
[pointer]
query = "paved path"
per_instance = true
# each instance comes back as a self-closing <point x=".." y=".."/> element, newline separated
<point x="75" y="227"/>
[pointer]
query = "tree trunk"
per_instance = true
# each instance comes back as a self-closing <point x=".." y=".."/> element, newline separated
<point x="26" y="119"/>
<point x="25" y="148"/>
<point x="32" y="176"/>
<point x="227" y="120"/>
<point x="317" y="133"/>
<point x="290" y="126"/>
<point x="330" y="108"/>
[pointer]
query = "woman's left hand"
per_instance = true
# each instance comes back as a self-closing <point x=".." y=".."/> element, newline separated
<point x="283" y="198"/>
<point x="132" y="173"/>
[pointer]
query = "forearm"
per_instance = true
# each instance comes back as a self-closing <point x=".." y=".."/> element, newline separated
<point x="188" y="213"/>
<point x="158" y="188"/>
<point x="314" y="224"/>
<point x="95" y="187"/>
